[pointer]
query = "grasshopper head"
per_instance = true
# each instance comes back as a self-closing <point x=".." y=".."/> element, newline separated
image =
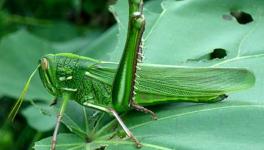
<point x="48" y="74"/>
<point x="63" y="72"/>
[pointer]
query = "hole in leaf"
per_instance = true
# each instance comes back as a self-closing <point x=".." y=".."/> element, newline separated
<point x="218" y="53"/>
<point x="242" y="17"/>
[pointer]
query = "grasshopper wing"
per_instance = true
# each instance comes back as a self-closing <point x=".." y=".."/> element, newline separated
<point x="158" y="84"/>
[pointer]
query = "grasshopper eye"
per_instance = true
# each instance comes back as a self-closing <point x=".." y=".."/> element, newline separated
<point x="44" y="63"/>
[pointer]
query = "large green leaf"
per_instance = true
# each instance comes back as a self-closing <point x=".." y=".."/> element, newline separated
<point x="40" y="117"/>
<point x="20" y="53"/>
<point x="103" y="47"/>
<point x="190" y="127"/>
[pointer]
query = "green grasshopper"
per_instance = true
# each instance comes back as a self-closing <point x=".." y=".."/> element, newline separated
<point x="116" y="88"/>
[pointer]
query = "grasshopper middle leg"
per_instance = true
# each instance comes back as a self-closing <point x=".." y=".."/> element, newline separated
<point x="119" y="120"/>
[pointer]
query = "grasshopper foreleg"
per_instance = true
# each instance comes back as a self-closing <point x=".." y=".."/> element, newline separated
<point x="59" y="117"/>
<point x="54" y="137"/>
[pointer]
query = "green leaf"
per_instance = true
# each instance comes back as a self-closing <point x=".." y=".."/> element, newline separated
<point x="105" y="45"/>
<point x="19" y="56"/>
<point x="76" y="44"/>
<point x="85" y="122"/>
<point x="210" y="128"/>
<point x="69" y="141"/>
<point x="40" y="117"/>
<point x="57" y="31"/>
<point x="216" y="126"/>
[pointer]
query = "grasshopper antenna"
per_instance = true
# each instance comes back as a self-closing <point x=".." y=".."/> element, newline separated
<point x="20" y="100"/>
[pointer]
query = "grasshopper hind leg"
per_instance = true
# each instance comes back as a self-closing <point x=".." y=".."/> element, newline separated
<point x="143" y="109"/>
<point x="128" y="132"/>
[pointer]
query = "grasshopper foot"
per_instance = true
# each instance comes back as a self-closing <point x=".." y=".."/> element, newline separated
<point x="138" y="144"/>
<point x="129" y="134"/>
<point x="143" y="109"/>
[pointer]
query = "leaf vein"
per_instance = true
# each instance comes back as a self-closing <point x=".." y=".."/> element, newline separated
<point x="193" y="112"/>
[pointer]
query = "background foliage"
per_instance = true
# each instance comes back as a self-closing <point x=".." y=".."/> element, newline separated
<point x="208" y="33"/>
<point x="30" y="29"/>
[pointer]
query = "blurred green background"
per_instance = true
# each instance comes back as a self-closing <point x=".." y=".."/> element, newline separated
<point x="56" y="21"/>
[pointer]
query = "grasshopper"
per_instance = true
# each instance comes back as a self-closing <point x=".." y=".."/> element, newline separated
<point x="116" y="88"/>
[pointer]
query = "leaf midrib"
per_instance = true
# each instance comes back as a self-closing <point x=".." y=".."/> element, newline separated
<point x="197" y="111"/>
